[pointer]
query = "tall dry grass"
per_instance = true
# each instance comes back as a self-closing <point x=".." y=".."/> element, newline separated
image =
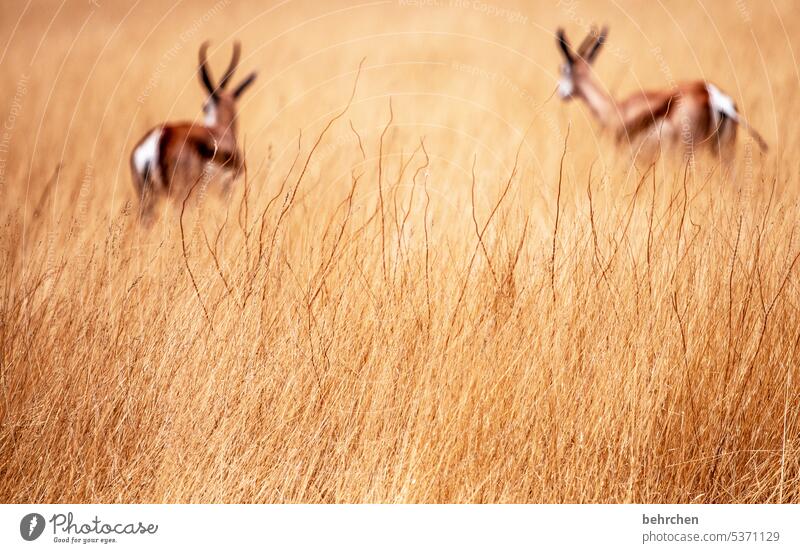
<point x="415" y="301"/>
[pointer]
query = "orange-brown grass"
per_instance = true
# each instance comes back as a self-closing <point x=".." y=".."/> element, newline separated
<point x="454" y="291"/>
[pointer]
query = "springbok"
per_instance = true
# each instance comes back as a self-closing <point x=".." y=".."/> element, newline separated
<point x="172" y="157"/>
<point x="696" y="113"/>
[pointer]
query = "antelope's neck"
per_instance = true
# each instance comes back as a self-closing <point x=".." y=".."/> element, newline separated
<point x="225" y="134"/>
<point x="601" y="104"/>
<point x="221" y="121"/>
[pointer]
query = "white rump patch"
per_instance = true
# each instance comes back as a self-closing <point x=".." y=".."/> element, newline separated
<point x="146" y="155"/>
<point x="721" y="103"/>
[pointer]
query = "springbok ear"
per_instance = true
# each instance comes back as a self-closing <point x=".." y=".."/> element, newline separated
<point x="205" y="76"/>
<point x="563" y="43"/>
<point x="598" y="43"/>
<point x="244" y="84"/>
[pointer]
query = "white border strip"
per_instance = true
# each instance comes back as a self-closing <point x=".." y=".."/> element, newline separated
<point x="404" y="528"/>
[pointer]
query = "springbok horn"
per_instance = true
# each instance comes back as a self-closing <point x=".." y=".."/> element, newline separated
<point x="205" y="77"/>
<point x="601" y="39"/>
<point x="587" y="42"/>
<point x="564" y="44"/>
<point x="237" y="50"/>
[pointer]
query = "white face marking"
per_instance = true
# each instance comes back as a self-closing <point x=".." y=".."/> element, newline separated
<point x="146" y="155"/>
<point x="566" y="86"/>
<point x="210" y="111"/>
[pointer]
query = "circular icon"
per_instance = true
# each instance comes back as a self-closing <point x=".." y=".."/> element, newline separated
<point x="31" y="526"/>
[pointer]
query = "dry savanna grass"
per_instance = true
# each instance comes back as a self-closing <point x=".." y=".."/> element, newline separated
<point x="447" y="288"/>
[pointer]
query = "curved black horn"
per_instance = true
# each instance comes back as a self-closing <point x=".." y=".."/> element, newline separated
<point x="242" y="86"/>
<point x="599" y="41"/>
<point x="587" y="42"/>
<point x="237" y="51"/>
<point x="205" y="76"/>
<point x="564" y="44"/>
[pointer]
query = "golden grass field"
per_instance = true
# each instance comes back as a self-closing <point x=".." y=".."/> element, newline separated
<point x="412" y="302"/>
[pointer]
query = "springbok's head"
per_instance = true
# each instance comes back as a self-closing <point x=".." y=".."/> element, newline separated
<point x="220" y="107"/>
<point x="577" y="64"/>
